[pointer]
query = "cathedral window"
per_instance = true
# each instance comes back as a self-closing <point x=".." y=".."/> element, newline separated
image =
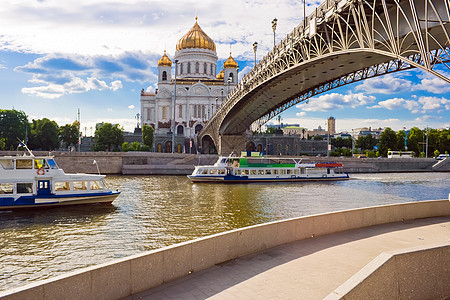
<point x="212" y="71"/>
<point x="203" y="111"/>
<point x="180" y="111"/>
<point x="164" y="112"/>
<point x="231" y="77"/>
<point x="181" y="68"/>
<point x="205" y="68"/>
<point x="164" y="76"/>
<point x="189" y="68"/>
<point x="197" y="67"/>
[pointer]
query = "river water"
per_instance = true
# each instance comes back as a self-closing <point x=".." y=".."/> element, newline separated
<point x="156" y="211"/>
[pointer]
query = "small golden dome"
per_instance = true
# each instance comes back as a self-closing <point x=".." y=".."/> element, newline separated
<point x="230" y="63"/>
<point x="164" y="61"/>
<point x="196" y="38"/>
<point x="221" y="75"/>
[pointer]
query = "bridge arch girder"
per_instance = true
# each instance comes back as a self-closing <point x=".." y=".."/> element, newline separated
<point x="351" y="42"/>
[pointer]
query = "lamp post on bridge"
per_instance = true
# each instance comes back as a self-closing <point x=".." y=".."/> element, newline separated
<point x="174" y="103"/>
<point x="255" y="47"/>
<point x="274" y="27"/>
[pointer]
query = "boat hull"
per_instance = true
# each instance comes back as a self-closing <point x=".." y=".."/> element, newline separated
<point x="237" y="179"/>
<point x="56" y="200"/>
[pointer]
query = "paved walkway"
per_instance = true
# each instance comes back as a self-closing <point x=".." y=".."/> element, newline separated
<point x="307" y="269"/>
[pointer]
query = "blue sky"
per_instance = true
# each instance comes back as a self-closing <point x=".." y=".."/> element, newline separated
<point x="58" y="56"/>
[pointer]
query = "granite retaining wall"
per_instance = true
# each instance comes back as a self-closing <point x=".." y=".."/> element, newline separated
<point x="127" y="276"/>
<point x="151" y="163"/>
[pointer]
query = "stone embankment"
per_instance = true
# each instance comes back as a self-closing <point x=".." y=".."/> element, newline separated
<point x="149" y="163"/>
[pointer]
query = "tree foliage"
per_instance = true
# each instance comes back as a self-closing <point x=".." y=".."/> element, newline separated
<point x="44" y="135"/>
<point x="13" y="125"/>
<point x="68" y="134"/>
<point x="340" y="142"/>
<point x="108" y="136"/>
<point x="147" y="135"/>
<point x="366" y="142"/>
<point x="401" y="138"/>
<point x="415" y="137"/>
<point x="388" y="140"/>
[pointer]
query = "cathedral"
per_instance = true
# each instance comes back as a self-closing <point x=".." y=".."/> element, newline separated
<point x="200" y="90"/>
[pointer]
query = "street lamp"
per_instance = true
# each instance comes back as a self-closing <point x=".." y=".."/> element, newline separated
<point x="255" y="47"/>
<point x="174" y="103"/>
<point x="274" y="27"/>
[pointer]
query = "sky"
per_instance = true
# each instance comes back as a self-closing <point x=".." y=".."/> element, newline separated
<point x="58" y="57"/>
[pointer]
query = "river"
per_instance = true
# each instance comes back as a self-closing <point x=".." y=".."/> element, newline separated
<point x="156" y="211"/>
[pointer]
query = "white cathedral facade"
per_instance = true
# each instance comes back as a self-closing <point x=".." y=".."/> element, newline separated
<point x="200" y="91"/>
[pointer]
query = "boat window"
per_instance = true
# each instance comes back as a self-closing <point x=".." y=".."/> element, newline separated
<point x="252" y="172"/>
<point x="40" y="163"/>
<point x="260" y="172"/>
<point x="268" y="172"/>
<point x="79" y="185"/>
<point x="238" y="172"/>
<point x="275" y="172"/>
<point x="205" y="171"/>
<point x="223" y="160"/>
<point x="95" y="185"/>
<point x="212" y="171"/>
<point x="51" y="162"/>
<point x="25" y="188"/>
<point x="288" y="171"/>
<point x="24" y="164"/>
<point x="245" y="172"/>
<point x="62" y="186"/>
<point x="222" y="171"/>
<point x="296" y="171"/>
<point x="7" y="164"/>
<point x="6" y="188"/>
<point x="282" y="172"/>
<point x="103" y="182"/>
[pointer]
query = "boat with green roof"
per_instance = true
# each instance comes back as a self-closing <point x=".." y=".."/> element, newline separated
<point x="254" y="167"/>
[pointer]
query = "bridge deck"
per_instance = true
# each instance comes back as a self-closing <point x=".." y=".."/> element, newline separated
<point x="307" y="269"/>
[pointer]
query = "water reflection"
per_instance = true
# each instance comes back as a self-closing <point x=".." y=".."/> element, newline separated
<point x="155" y="211"/>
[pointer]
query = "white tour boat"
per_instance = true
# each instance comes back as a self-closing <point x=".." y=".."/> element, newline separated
<point x="256" y="168"/>
<point x="30" y="181"/>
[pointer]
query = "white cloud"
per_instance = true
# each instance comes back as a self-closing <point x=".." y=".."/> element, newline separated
<point x="398" y="103"/>
<point x="130" y="106"/>
<point x="334" y="101"/>
<point x="434" y="103"/>
<point x="301" y="114"/>
<point x="386" y="84"/>
<point x="76" y="85"/>
<point x="433" y="84"/>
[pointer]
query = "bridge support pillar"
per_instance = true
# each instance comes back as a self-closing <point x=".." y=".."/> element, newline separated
<point x="231" y="143"/>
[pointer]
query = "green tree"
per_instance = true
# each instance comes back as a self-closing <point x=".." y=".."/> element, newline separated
<point x="366" y="142"/>
<point x="44" y="135"/>
<point x="13" y="125"/>
<point x="125" y="147"/>
<point x="414" y="140"/>
<point x="68" y="135"/>
<point x="147" y="135"/>
<point x="388" y="140"/>
<point x="107" y="136"/>
<point x="436" y="153"/>
<point x="401" y="135"/>
<point x="135" y="146"/>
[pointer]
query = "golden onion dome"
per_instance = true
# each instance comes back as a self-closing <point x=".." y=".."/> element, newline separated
<point x="164" y="61"/>
<point x="221" y="75"/>
<point x="196" y="38"/>
<point x="230" y="63"/>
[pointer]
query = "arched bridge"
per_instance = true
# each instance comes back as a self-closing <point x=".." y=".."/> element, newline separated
<point x="339" y="43"/>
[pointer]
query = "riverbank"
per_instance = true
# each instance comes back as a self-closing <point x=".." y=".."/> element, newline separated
<point x="150" y="163"/>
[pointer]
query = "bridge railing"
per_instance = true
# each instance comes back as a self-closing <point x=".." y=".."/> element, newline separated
<point x="249" y="80"/>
